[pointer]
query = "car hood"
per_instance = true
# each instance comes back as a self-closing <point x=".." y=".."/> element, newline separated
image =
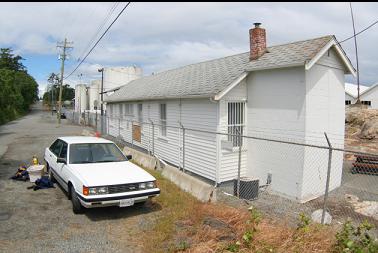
<point x="111" y="173"/>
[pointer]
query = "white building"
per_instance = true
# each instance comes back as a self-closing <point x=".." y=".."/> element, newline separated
<point x="86" y="97"/>
<point x="285" y="91"/>
<point x="81" y="98"/>
<point x="115" y="77"/>
<point x="94" y="95"/>
<point x="368" y="95"/>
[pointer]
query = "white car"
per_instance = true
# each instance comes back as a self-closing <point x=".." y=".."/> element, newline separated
<point x="95" y="173"/>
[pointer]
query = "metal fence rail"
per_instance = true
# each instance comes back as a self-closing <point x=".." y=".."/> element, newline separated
<point x="293" y="175"/>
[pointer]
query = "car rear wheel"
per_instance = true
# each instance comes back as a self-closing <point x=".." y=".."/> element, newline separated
<point x="77" y="208"/>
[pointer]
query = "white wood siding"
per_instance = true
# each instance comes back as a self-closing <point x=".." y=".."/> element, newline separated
<point x="276" y="109"/>
<point x="200" y="148"/>
<point x="229" y="159"/>
<point x="325" y="112"/>
<point x="371" y="95"/>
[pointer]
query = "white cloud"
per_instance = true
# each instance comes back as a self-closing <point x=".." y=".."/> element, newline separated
<point x="158" y="36"/>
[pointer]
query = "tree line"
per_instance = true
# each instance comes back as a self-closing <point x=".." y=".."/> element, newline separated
<point x="18" y="89"/>
<point x="51" y="96"/>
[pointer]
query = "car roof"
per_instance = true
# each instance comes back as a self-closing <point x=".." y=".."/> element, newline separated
<point x="83" y="139"/>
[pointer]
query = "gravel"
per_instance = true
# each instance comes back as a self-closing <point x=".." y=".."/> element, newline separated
<point x="43" y="221"/>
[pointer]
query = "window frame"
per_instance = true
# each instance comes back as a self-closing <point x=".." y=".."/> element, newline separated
<point x="236" y="120"/>
<point x="163" y="122"/>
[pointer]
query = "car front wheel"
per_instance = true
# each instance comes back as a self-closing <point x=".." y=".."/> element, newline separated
<point x="51" y="176"/>
<point x="76" y="205"/>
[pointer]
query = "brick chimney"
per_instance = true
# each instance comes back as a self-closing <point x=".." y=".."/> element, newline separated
<point x="257" y="40"/>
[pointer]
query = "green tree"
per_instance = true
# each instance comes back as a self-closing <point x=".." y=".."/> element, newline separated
<point x="18" y="90"/>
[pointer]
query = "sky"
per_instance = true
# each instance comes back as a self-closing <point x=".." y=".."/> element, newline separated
<point x="161" y="36"/>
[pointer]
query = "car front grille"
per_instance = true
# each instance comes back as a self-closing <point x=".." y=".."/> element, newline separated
<point x="122" y="188"/>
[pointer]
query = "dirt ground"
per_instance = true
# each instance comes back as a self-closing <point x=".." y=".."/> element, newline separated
<point x="43" y="221"/>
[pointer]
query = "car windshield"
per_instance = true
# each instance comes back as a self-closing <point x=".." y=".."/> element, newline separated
<point x="95" y="153"/>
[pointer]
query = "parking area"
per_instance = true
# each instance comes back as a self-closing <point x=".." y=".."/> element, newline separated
<point x="43" y="221"/>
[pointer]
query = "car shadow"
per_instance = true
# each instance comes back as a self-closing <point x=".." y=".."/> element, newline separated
<point x="115" y="212"/>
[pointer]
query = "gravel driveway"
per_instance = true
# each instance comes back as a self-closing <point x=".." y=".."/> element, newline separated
<point x="43" y="221"/>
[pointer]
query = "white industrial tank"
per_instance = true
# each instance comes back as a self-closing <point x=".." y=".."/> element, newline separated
<point x="81" y="98"/>
<point x="117" y="76"/>
<point x="94" y="94"/>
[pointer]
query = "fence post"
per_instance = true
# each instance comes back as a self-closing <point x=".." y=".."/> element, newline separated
<point x="119" y="126"/>
<point x="183" y="149"/>
<point x="328" y="177"/>
<point x="239" y="162"/>
<point x="96" y="119"/>
<point x="153" y="137"/>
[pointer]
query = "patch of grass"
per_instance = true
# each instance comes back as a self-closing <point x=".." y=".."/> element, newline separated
<point x="182" y="216"/>
<point x="176" y="205"/>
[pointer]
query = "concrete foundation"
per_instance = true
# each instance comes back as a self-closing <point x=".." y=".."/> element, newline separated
<point x="199" y="189"/>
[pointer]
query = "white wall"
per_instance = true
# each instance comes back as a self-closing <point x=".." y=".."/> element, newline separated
<point x="325" y="112"/>
<point x="371" y="95"/>
<point x="81" y="98"/>
<point x="229" y="158"/>
<point x="200" y="148"/>
<point x="94" y="94"/>
<point x="349" y="97"/>
<point x="276" y="109"/>
<point x="117" y="76"/>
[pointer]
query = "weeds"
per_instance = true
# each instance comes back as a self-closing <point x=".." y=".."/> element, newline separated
<point x="355" y="239"/>
<point x="304" y="222"/>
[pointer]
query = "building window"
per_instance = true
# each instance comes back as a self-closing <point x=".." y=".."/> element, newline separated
<point x="129" y="109"/>
<point x="347" y="102"/>
<point x="163" y="119"/>
<point x="140" y="113"/>
<point x="121" y="110"/>
<point x="366" y="103"/>
<point x="236" y="111"/>
<point x="111" y="110"/>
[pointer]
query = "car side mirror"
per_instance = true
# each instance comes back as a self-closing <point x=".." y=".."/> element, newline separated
<point x="129" y="157"/>
<point x="61" y="160"/>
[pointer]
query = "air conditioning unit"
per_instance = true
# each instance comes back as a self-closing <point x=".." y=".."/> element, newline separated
<point x="249" y="188"/>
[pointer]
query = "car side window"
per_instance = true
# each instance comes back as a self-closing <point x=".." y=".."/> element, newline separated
<point x="63" y="152"/>
<point x="56" y="147"/>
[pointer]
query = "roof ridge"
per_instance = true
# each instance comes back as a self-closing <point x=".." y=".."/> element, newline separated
<point x="224" y="57"/>
<point x="299" y="41"/>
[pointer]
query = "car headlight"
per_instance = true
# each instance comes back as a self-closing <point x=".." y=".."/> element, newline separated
<point x="151" y="185"/>
<point x="98" y="190"/>
<point x="142" y="186"/>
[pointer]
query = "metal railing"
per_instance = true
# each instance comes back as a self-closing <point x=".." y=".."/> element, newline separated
<point x="281" y="176"/>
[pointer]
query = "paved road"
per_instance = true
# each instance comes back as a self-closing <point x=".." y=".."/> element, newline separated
<point x="42" y="221"/>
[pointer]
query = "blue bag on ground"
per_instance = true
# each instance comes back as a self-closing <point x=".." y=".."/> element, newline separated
<point x="43" y="183"/>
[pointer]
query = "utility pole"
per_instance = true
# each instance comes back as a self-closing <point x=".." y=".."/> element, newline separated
<point x="355" y="47"/>
<point x="65" y="45"/>
<point x="102" y="99"/>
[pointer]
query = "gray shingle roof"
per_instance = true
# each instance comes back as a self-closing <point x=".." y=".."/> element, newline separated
<point x="206" y="79"/>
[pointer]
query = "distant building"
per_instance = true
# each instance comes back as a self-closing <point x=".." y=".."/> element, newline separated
<point x="368" y="95"/>
<point x="89" y="96"/>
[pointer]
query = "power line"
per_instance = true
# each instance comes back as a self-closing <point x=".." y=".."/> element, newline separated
<point x="119" y="14"/>
<point x="110" y="13"/>
<point x="363" y="30"/>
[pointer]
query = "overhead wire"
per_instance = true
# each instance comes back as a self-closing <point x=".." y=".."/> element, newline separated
<point x="106" y="19"/>
<point x="93" y="47"/>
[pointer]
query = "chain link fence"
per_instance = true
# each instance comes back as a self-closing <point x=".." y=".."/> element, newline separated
<point x="281" y="176"/>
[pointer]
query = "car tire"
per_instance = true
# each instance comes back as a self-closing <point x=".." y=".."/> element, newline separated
<point x="77" y="208"/>
<point x="51" y="176"/>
